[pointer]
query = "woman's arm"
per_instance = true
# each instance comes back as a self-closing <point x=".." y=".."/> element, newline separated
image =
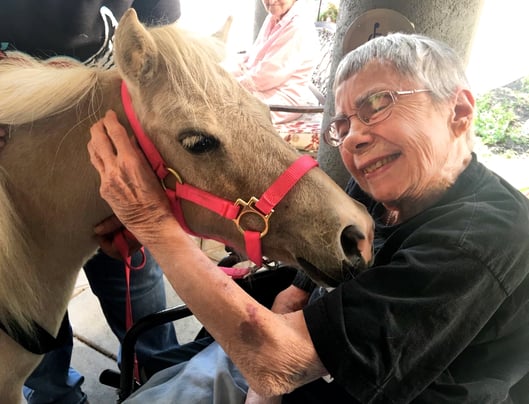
<point x="284" y="55"/>
<point x="273" y="351"/>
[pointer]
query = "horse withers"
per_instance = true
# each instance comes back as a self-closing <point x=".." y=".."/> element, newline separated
<point x="215" y="134"/>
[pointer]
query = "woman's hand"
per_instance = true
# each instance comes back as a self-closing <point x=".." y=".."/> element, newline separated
<point x="128" y="183"/>
<point x="289" y="300"/>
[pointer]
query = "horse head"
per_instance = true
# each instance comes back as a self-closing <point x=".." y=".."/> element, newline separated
<point x="219" y="138"/>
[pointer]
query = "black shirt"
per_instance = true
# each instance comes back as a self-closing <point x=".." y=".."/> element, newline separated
<point x="76" y="28"/>
<point x="443" y="314"/>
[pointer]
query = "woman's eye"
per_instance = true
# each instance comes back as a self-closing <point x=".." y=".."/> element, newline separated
<point x="378" y="102"/>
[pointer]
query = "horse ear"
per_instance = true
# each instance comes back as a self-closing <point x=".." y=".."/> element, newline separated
<point x="222" y="34"/>
<point x="135" y="51"/>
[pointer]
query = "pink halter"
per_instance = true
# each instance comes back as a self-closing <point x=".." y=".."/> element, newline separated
<point x="262" y="207"/>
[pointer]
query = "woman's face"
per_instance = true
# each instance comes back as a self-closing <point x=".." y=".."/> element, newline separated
<point x="278" y="8"/>
<point x="406" y="156"/>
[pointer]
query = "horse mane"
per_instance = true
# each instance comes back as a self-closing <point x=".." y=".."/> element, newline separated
<point x="32" y="89"/>
<point x="18" y="276"/>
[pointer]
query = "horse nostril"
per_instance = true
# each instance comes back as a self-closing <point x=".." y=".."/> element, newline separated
<point x="350" y="238"/>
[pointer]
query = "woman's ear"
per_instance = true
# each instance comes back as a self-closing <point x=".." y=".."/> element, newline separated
<point x="463" y="113"/>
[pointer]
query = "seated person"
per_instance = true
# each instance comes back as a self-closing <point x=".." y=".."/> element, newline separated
<point x="440" y="316"/>
<point x="278" y="66"/>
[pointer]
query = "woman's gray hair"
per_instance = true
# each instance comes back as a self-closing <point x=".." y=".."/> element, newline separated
<point x="427" y="61"/>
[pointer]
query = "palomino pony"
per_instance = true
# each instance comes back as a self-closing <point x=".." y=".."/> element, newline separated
<point x="216" y="135"/>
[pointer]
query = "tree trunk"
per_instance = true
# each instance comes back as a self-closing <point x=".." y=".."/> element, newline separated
<point x="260" y="15"/>
<point x="452" y="21"/>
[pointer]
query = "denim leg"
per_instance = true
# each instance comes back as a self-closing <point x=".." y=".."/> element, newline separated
<point x="54" y="381"/>
<point x="106" y="276"/>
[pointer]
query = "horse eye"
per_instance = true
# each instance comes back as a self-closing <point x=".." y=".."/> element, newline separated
<point x="199" y="142"/>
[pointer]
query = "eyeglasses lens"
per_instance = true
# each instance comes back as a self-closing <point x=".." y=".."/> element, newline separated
<point x="337" y="131"/>
<point x="375" y="108"/>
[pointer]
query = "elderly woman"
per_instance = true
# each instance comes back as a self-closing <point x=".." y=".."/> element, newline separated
<point x="442" y="314"/>
<point x="278" y="66"/>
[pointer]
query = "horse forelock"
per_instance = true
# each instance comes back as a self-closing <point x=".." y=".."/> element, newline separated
<point x="31" y="89"/>
<point x="192" y="65"/>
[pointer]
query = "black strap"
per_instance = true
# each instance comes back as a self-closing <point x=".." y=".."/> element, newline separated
<point x="41" y="341"/>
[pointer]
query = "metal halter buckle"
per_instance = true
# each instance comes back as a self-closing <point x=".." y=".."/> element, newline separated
<point x="249" y="208"/>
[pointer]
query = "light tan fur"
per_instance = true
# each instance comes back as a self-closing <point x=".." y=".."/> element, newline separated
<point x="49" y="195"/>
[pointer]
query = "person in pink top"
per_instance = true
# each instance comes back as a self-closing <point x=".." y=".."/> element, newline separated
<point x="278" y="66"/>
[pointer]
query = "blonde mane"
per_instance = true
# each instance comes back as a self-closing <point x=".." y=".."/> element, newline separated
<point x="31" y="89"/>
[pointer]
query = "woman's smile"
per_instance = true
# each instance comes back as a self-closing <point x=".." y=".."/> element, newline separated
<point x="379" y="163"/>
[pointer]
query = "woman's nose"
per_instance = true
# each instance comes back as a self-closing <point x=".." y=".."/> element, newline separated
<point x="358" y="136"/>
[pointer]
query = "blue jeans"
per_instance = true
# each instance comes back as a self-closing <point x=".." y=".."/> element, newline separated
<point x="54" y="381"/>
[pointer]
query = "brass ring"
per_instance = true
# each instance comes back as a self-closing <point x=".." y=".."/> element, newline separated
<point x="247" y="208"/>
<point x="174" y="174"/>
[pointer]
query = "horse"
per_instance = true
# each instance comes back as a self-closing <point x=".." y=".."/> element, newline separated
<point x="216" y="135"/>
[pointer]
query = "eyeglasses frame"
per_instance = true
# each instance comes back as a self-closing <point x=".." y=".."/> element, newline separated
<point x="393" y="93"/>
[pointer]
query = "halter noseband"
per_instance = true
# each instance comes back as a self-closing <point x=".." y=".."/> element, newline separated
<point x="262" y="207"/>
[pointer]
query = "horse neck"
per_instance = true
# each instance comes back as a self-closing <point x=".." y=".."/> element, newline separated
<point x="71" y="175"/>
<point x="55" y="191"/>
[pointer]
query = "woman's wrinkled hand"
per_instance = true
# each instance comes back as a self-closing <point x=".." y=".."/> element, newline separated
<point x="128" y="183"/>
<point x="289" y="300"/>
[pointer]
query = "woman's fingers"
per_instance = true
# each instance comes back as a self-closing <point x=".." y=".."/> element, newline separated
<point x="128" y="183"/>
<point x="116" y="133"/>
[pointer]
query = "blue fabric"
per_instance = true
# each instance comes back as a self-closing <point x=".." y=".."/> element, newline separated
<point x="54" y="381"/>
<point x="209" y="377"/>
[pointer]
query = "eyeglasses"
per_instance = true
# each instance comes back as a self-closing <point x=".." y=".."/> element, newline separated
<point x="374" y="109"/>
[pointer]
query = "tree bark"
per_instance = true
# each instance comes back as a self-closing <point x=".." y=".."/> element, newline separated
<point x="452" y="21"/>
<point x="260" y="15"/>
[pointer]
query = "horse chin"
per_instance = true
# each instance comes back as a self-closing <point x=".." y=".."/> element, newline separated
<point x="333" y="279"/>
<point x="318" y="276"/>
